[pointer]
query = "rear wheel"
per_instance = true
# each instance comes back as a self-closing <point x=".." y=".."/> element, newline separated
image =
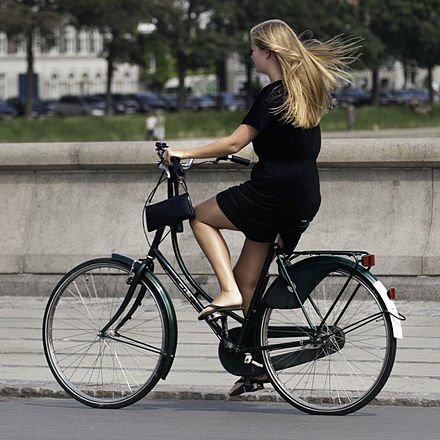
<point x="113" y="369"/>
<point x="348" y="361"/>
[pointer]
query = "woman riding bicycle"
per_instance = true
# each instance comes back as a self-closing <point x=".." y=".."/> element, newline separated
<point x="282" y="195"/>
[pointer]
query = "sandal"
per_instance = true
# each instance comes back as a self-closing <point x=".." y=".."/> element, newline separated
<point x="247" y="384"/>
<point x="212" y="308"/>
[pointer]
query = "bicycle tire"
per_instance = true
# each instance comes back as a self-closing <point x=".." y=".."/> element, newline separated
<point x="109" y="371"/>
<point x="350" y="365"/>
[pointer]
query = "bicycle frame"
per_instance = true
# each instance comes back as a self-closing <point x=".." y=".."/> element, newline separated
<point x="192" y="290"/>
<point x="248" y="323"/>
<point x="192" y="296"/>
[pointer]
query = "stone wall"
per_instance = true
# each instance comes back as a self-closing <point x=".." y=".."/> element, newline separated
<point x="63" y="203"/>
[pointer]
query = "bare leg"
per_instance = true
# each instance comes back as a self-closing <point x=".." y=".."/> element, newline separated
<point x="248" y="269"/>
<point x="209" y="218"/>
<point x="247" y="272"/>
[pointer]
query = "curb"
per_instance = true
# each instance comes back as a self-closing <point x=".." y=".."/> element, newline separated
<point x="384" y="399"/>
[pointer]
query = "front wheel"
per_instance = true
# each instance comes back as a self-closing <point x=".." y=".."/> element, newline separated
<point x="111" y="369"/>
<point x="345" y="365"/>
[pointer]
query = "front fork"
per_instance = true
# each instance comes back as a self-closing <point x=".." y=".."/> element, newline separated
<point x="136" y="273"/>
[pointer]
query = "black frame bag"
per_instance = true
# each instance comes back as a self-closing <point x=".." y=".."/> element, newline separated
<point x="169" y="212"/>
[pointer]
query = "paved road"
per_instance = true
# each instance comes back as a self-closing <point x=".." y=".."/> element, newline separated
<point x="48" y="419"/>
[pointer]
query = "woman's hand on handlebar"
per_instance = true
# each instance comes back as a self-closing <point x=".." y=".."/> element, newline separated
<point x="170" y="153"/>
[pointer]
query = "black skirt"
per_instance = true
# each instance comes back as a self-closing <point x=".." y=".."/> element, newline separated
<point x="278" y="196"/>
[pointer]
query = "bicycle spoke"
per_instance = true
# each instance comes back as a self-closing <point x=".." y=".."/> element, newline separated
<point x="350" y="360"/>
<point x="112" y="369"/>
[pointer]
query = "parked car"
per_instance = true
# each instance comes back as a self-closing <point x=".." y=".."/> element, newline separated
<point x="96" y="105"/>
<point x="7" y="110"/>
<point x="71" y="105"/>
<point x="198" y="103"/>
<point x="122" y="103"/>
<point x="38" y="107"/>
<point x="386" y="97"/>
<point x="354" y="96"/>
<point x="403" y="96"/>
<point x="230" y="102"/>
<point x="49" y="106"/>
<point x="422" y="95"/>
<point x="170" y="101"/>
<point x="148" y="102"/>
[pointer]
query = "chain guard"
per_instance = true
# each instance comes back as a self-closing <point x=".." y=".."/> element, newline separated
<point x="234" y="362"/>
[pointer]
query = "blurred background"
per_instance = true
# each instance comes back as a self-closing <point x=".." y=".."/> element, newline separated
<point x="117" y="61"/>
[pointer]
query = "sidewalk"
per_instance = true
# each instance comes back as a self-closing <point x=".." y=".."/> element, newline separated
<point x="197" y="372"/>
<point x="398" y="133"/>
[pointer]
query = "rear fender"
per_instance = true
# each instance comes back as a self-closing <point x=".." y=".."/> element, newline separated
<point x="308" y="273"/>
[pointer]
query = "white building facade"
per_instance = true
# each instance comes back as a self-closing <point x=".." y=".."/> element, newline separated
<point x="74" y="65"/>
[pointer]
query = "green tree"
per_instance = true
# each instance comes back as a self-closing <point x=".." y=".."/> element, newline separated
<point x="410" y="30"/>
<point x="249" y="13"/>
<point x="217" y="41"/>
<point x="321" y="19"/>
<point x="156" y="50"/>
<point x="365" y="25"/>
<point x="22" y="20"/>
<point x="118" y="21"/>
<point x="351" y="20"/>
<point x="180" y="23"/>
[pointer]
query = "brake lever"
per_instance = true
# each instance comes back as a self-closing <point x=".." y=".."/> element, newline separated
<point x="162" y="166"/>
<point x="187" y="164"/>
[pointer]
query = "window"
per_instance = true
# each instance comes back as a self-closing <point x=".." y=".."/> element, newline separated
<point x="99" y="84"/>
<point x="54" y="86"/>
<point x="85" y="84"/>
<point x="69" y="40"/>
<point x="55" y="48"/>
<point x="71" y="84"/>
<point x="126" y="82"/>
<point x="96" y="43"/>
<point x="84" y="41"/>
<point x="21" y="48"/>
<point x="3" y="44"/>
<point x="2" y="85"/>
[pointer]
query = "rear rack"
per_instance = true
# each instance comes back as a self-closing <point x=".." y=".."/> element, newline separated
<point x="360" y="257"/>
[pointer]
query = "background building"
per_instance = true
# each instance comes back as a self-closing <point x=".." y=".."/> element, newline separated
<point x="72" y="65"/>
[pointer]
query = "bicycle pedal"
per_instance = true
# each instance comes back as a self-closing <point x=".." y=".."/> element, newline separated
<point x="253" y="386"/>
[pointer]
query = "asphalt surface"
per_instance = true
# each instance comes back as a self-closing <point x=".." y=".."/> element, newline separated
<point x="55" y="419"/>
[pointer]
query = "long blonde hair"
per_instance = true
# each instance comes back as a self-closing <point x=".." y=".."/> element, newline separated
<point x="310" y="70"/>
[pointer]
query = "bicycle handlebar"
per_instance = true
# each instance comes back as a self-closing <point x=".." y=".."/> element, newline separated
<point x="161" y="146"/>
<point x="236" y="159"/>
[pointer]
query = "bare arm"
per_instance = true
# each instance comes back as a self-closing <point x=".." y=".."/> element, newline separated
<point x="224" y="146"/>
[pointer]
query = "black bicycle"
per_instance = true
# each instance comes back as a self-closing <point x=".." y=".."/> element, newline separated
<point x="324" y="330"/>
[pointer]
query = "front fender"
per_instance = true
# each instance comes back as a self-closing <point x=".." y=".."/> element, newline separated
<point x="308" y="273"/>
<point x="156" y="286"/>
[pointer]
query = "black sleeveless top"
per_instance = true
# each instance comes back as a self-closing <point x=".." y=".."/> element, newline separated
<point x="284" y="184"/>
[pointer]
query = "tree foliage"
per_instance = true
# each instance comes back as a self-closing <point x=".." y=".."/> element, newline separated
<point x="192" y="34"/>
<point x="118" y="21"/>
<point x="180" y="23"/>
<point x="411" y="32"/>
<point x="21" y="20"/>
